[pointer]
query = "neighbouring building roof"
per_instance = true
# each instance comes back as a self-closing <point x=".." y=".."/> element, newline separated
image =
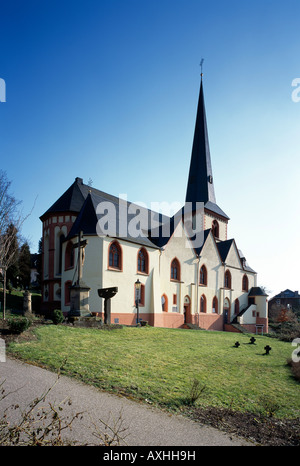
<point x="287" y="294"/>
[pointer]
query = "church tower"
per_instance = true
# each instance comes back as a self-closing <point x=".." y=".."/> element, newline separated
<point x="200" y="187"/>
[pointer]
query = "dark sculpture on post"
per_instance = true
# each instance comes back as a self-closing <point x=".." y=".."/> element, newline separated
<point x="107" y="294"/>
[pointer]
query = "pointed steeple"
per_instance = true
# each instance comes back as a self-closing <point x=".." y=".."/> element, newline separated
<point x="200" y="186"/>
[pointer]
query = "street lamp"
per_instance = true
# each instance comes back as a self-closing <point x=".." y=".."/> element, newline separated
<point x="137" y="299"/>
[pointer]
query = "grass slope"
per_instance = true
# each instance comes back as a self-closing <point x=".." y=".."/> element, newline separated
<point x="14" y="302"/>
<point x="160" y="365"/>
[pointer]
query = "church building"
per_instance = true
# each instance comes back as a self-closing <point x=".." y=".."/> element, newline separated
<point x="164" y="270"/>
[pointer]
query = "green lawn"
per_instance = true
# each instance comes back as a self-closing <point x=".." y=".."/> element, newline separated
<point x="160" y="364"/>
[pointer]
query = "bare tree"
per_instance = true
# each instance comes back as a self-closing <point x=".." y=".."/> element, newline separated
<point x="10" y="214"/>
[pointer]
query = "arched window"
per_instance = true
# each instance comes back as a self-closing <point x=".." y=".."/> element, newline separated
<point x="143" y="261"/>
<point x="227" y="279"/>
<point x="203" y="275"/>
<point x="203" y="303"/>
<point x="164" y="303"/>
<point x="69" y="256"/>
<point x="61" y="240"/>
<point x="115" y="256"/>
<point x="236" y="306"/>
<point x="215" y="305"/>
<point x="215" y="228"/>
<point x="175" y="270"/>
<point x="245" y="283"/>
<point x="46" y="255"/>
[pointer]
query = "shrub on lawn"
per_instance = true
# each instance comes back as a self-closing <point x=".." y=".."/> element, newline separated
<point x="18" y="324"/>
<point x="290" y="331"/>
<point x="196" y="390"/>
<point x="57" y="316"/>
<point x="295" y="367"/>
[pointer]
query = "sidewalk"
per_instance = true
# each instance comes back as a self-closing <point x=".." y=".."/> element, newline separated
<point x="145" y="426"/>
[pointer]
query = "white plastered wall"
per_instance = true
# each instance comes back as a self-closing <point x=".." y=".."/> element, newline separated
<point x="179" y="247"/>
<point x="99" y="275"/>
<point x="210" y="258"/>
<point x="209" y="218"/>
<point x="233" y="264"/>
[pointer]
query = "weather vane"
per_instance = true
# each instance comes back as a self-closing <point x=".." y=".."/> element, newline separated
<point x="201" y="66"/>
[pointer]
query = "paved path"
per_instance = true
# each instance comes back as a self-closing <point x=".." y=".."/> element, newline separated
<point x="146" y="426"/>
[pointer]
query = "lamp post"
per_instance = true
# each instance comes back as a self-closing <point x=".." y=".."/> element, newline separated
<point x="137" y="299"/>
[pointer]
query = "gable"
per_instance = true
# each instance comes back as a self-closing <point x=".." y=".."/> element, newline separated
<point x="179" y="244"/>
<point x="209" y="250"/>
<point x="233" y="258"/>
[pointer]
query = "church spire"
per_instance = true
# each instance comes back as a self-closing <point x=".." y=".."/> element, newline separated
<point x="200" y="186"/>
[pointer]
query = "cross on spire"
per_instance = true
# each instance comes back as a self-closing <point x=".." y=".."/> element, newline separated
<point x="201" y="66"/>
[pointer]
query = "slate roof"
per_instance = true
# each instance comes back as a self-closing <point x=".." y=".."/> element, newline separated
<point x="200" y="187"/>
<point x="71" y="201"/>
<point x="256" y="291"/>
<point x="246" y="266"/>
<point x="288" y="294"/>
<point x="118" y="225"/>
<point x="86" y="220"/>
<point x="84" y="200"/>
<point x="224" y="247"/>
<point x="215" y="208"/>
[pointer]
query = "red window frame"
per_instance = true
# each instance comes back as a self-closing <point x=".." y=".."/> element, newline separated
<point x="115" y="256"/>
<point x="203" y="303"/>
<point x="245" y="283"/>
<point x="227" y="279"/>
<point x="203" y="276"/>
<point x="175" y="270"/>
<point x="143" y="261"/>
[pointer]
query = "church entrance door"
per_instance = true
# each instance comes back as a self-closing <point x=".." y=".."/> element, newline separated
<point x="187" y="310"/>
<point x="226" y="311"/>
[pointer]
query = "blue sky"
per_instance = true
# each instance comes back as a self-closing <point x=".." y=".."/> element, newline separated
<point x="107" y="90"/>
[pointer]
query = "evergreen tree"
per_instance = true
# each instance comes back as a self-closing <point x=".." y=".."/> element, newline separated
<point x="39" y="262"/>
<point x="24" y="265"/>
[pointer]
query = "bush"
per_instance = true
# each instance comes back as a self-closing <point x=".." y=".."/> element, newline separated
<point x="57" y="316"/>
<point x="18" y="324"/>
<point x="295" y="367"/>
<point x="196" y="390"/>
<point x="290" y="331"/>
